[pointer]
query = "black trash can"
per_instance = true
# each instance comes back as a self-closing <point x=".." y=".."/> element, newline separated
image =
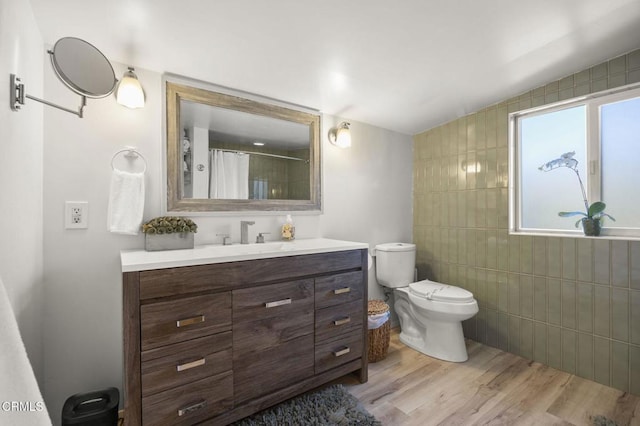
<point x="98" y="408"/>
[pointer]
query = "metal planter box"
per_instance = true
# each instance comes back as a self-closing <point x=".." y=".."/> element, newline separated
<point x="176" y="241"/>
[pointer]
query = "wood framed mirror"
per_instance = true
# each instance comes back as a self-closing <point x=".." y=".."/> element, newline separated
<point x="232" y="152"/>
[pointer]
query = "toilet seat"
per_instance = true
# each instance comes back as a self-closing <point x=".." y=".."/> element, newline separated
<point x="440" y="292"/>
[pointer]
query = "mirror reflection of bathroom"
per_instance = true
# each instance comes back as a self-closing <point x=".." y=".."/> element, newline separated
<point x="229" y="154"/>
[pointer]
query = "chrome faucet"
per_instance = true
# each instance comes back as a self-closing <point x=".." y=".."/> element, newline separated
<point x="244" y="231"/>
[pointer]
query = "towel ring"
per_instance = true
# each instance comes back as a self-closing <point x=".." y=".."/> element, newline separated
<point x="130" y="154"/>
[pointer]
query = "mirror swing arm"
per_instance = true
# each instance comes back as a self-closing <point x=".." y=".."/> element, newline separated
<point x="17" y="95"/>
<point x="72" y="59"/>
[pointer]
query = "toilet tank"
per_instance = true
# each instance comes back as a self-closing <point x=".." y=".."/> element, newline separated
<point x="395" y="264"/>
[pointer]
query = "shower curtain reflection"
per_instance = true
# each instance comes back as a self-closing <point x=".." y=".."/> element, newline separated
<point x="229" y="176"/>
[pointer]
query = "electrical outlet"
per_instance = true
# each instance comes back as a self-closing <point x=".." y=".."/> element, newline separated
<point x="76" y="214"/>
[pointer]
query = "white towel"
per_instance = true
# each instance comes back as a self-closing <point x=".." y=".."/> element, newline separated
<point x="20" y="398"/>
<point x="126" y="202"/>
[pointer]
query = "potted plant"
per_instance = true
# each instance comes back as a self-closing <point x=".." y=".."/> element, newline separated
<point x="169" y="233"/>
<point x="593" y="213"/>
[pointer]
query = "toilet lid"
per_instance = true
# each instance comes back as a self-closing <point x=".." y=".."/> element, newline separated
<point x="396" y="247"/>
<point x="440" y="292"/>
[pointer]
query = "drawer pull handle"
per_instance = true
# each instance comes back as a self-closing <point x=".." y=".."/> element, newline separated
<point x="342" y="321"/>
<point x="190" y="365"/>
<point x="341" y="352"/>
<point x="342" y="290"/>
<point x="190" y="321"/>
<point x="191" y="408"/>
<point x="277" y="303"/>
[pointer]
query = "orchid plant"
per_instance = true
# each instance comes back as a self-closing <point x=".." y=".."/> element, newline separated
<point x="593" y="212"/>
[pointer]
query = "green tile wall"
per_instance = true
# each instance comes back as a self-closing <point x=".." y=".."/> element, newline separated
<point x="571" y="303"/>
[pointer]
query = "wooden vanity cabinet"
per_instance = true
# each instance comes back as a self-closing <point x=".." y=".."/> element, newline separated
<point x="211" y="344"/>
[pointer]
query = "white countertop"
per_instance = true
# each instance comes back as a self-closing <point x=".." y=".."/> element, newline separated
<point x="141" y="260"/>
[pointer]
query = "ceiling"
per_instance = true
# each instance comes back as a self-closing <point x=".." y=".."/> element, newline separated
<point x="404" y="65"/>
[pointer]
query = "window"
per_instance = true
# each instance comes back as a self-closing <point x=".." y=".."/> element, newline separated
<point x="560" y="154"/>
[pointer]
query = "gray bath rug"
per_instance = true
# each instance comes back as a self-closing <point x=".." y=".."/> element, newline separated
<point x="332" y="406"/>
<point x="603" y="421"/>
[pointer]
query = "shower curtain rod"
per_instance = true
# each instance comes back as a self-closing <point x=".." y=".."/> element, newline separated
<point x="261" y="153"/>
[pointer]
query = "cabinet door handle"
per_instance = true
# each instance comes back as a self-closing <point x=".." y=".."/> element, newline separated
<point x="341" y="352"/>
<point x="342" y="321"/>
<point x="190" y="321"/>
<point x="277" y="303"/>
<point x="342" y="290"/>
<point x="190" y="365"/>
<point x="191" y="408"/>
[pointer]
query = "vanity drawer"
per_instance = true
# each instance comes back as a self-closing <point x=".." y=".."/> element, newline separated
<point x="183" y="319"/>
<point x="336" y="320"/>
<point x="170" y="282"/>
<point x="180" y="281"/>
<point x="335" y="352"/>
<point x="189" y="404"/>
<point x="274" y="300"/>
<point x="339" y="288"/>
<point x="271" y="315"/>
<point x="181" y="363"/>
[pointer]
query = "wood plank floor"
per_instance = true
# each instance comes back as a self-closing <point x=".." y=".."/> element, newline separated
<point x="492" y="388"/>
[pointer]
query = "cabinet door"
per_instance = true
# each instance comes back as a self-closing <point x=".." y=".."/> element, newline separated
<point x="273" y="343"/>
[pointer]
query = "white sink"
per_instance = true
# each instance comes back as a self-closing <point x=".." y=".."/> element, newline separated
<point x="243" y="249"/>
<point x="140" y="260"/>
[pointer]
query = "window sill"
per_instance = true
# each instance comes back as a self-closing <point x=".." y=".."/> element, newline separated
<point x="575" y="235"/>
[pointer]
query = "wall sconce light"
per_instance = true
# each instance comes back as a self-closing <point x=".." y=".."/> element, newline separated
<point x="130" y="93"/>
<point x="341" y="136"/>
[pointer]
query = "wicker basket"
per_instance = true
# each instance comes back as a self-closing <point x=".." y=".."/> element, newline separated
<point x="378" y="337"/>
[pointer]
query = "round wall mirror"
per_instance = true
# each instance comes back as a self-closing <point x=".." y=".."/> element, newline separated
<point x="83" y="68"/>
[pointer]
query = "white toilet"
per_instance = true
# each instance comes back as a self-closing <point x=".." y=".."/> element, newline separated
<point x="430" y="313"/>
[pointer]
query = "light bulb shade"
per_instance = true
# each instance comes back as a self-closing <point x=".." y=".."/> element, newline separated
<point x="341" y="136"/>
<point x="130" y="93"/>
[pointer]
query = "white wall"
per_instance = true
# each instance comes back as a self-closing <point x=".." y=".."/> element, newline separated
<point x="367" y="197"/>
<point x="83" y="292"/>
<point x="21" y="256"/>
<point x="367" y="189"/>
